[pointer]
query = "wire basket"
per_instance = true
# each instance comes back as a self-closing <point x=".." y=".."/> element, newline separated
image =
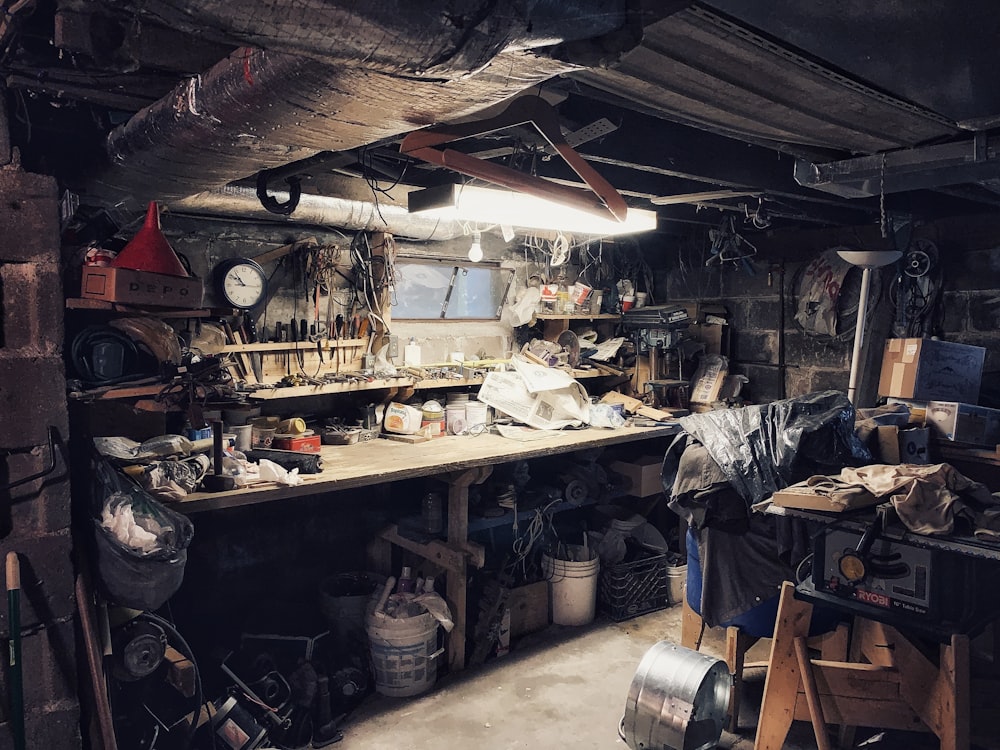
<point x="634" y="588"/>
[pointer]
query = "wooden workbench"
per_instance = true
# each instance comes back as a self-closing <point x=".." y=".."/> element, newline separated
<point x="458" y="461"/>
<point x="379" y="461"/>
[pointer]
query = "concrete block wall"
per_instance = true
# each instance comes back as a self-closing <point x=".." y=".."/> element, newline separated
<point x="971" y="309"/>
<point x="753" y="302"/>
<point x="35" y="520"/>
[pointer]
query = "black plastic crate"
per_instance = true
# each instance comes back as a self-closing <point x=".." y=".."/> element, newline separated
<point x="634" y="588"/>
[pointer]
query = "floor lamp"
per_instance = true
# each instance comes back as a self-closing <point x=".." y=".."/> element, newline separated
<point x="865" y="260"/>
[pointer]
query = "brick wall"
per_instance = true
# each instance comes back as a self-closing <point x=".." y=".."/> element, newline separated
<point x="35" y="520"/>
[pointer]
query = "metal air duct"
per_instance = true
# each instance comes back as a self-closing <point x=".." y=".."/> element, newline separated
<point x="352" y="215"/>
<point x="261" y="109"/>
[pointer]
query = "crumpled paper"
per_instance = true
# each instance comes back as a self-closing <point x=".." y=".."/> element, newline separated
<point x="272" y="472"/>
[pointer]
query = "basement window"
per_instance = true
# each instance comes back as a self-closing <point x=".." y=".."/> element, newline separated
<point x="449" y="290"/>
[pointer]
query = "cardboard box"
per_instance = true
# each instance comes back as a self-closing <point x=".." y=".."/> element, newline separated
<point x="131" y="287"/>
<point x="964" y="423"/>
<point x="309" y="444"/>
<point x="643" y="475"/>
<point x="903" y="446"/>
<point x="708" y="379"/>
<point x="929" y="370"/>
<point x="918" y="410"/>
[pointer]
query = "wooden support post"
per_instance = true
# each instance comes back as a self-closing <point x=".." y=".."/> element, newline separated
<point x="812" y="694"/>
<point x="458" y="536"/>
<point x="781" y="686"/>
<point x="692" y="627"/>
<point x="737" y="645"/>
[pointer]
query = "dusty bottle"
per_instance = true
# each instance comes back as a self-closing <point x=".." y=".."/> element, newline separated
<point x="432" y="513"/>
<point x="406" y="584"/>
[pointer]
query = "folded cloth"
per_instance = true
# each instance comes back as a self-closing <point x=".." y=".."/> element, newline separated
<point x="927" y="498"/>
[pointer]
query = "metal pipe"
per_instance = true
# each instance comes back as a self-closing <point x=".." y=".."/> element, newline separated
<point x="322" y="211"/>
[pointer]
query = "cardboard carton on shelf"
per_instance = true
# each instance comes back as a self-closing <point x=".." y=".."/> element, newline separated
<point x="964" y="423"/>
<point x="642" y="475"/>
<point x="130" y="287"/>
<point x="930" y="370"/>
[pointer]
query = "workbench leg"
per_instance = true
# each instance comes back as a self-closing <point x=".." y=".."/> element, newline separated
<point x="458" y="537"/>
<point x="457" y="592"/>
<point x="782" y="684"/>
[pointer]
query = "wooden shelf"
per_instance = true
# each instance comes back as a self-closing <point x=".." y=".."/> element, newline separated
<point x="83" y="303"/>
<point x="553" y="316"/>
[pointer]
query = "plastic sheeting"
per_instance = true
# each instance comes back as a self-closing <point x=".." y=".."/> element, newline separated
<point x="766" y="447"/>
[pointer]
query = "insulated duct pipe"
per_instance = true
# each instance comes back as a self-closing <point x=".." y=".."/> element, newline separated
<point x="262" y="109"/>
<point x="351" y="215"/>
<point x="426" y="39"/>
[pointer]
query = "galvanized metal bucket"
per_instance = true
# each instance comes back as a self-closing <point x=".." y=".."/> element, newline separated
<point x="677" y="701"/>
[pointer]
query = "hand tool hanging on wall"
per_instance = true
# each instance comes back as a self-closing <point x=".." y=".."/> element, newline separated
<point x="14" y="674"/>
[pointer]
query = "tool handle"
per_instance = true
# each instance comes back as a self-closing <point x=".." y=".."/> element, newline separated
<point x="13" y="572"/>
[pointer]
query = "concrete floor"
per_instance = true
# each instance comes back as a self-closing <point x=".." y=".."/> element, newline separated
<point x="563" y="687"/>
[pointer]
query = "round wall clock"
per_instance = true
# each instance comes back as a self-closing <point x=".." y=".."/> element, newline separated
<point x="241" y="282"/>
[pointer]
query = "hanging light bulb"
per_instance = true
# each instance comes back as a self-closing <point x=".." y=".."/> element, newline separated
<point x="476" y="248"/>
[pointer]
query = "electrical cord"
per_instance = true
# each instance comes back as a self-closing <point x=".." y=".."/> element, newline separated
<point x="82" y="350"/>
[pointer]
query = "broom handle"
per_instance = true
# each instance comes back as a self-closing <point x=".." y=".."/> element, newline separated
<point x="14" y="625"/>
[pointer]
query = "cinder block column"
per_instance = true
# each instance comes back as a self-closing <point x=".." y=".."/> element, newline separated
<point x="35" y="517"/>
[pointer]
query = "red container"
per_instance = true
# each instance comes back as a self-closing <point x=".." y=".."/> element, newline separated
<point x="309" y="444"/>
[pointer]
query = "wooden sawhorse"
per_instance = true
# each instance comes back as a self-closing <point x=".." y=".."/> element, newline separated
<point x="896" y="687"/>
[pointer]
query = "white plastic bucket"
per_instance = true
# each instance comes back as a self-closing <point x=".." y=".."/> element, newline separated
<point x="404" y="654"/>
<point x="572" y="586"/>
<point x="677" y="581"/>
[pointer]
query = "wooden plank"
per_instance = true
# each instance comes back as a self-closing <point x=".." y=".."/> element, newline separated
<point x="782" y="683"/>
<point x="834" y="645"/>
<point x="280" y="252"/>
<point x="868" y="712"/>
<point x="181" y="672"/>
<point x="289" y="346"/>
<point x="856" y="680"/>
<point x="933" y="693"/>
<point x="692" y="627"/>
<point x="438" y="552"/>
<point x="636" y="406"/>
<point x="816" y="716"/>
<point x="952" y="687"/>
<point x="737" y="645"/>
<point x="379" y="461"/>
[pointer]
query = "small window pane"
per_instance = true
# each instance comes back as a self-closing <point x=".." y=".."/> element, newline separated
<point x="422" y="288"/>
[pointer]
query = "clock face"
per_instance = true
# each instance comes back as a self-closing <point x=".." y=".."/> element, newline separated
<point x="243" y="284"/>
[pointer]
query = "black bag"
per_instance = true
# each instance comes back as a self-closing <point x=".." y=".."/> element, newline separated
<point x="130" y="575"/>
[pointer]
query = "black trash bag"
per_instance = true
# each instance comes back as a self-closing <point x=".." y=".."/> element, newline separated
<point x="144" y="567"/>
<point x="767" y="447"/>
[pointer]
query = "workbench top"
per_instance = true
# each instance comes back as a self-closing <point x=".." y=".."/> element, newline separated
<point x="379" y="461"/>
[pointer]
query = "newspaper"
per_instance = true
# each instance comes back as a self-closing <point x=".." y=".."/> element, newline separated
<point x="540" y="397"/>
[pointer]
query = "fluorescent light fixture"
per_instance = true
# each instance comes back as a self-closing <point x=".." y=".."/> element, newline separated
<point x="507" y="208"/>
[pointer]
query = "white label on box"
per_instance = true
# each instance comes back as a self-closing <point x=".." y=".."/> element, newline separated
<point x="911" y="350"/>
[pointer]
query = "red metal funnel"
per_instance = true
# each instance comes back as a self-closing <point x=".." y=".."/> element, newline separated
<point x="149" y="249"/>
